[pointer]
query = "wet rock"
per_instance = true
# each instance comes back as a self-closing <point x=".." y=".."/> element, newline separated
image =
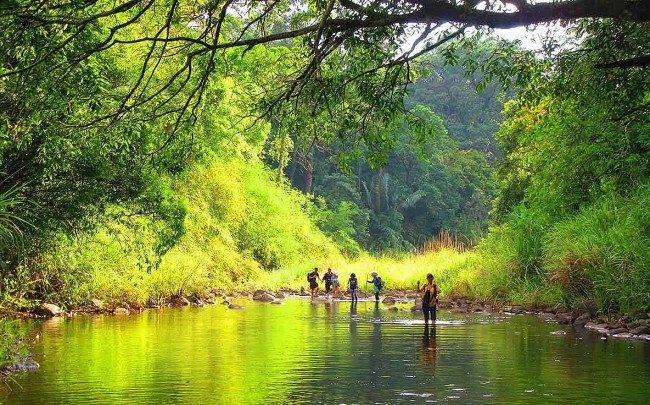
<point x="209" y="301"/>
<point x="153" y="303"/>
<point x="120" y="311"/>
<point x="596" y="326"/>
<point x="558" y="333"/>
<point x="394" y="309"/>
<point x="642" y="315"/>
<point x="416" y="308"/>
<point x="236" y="306"/>
<point x="279" y="294"/>
<point x="47" y="310"/>
<point x="644" y="337"/>
<point x="624" y="335"/>
<point x="641" y="330"/>
<point x="564" y="318"/>
<point x="276" y="302"/>
<point x="125" y="305"/>
<point x="196" y="301"/>
<point x="22" y="366"/>
<point x="339" y="296"/>
<point x="617" y="331"/>
<point x="389" y="301"/>
<point x="263" y="296"/>
<point x="179" y="301"/>
<point x="97" y="304"/>
<point x="225" y="302"/>
<point x="586" y="306"/>
<point x="444" y="304"/>
<point x="547" y="316"/>
<point x="582" y="320"/>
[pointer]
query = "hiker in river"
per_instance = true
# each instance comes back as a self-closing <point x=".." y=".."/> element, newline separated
<point x="327" y="279"/>
<point x="336" y="285"/>
<point x="313" y="279"/>
<point x="429" y="299"/>
<point x="353" y="287"/>
<point x="377" y="284"/>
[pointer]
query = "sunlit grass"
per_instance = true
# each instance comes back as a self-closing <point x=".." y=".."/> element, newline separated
<point x="452" y="271"/>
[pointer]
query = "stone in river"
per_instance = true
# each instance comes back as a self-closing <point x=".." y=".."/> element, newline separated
<point x="47" y="310"/>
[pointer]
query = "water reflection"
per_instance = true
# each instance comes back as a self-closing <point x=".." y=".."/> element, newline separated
<point x="325" y="352"/>
<point x="429" y="352"/>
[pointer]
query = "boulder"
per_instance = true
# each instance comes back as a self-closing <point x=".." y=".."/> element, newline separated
<point x="179" y="301"/>
<point x="624" y="335"/>
<point x="263" y="296"/>
<point x="47" y="310"/>
<point x="120" y="311"/>
<point x="546" y="316"/>
<point x="586" y="306"/>
<point x="276" y="302"/>
<point x="389" y="301"/>
<point x="564" y="318"/>
<point x="617" y="331"/>
<point x="394" y="309"/>
<point x="97" y="304"/>
<point x="641" y="330"/>
<point x="582" y="320"/>
<point x="279" y="294"/>
<point x="236" y="306"/>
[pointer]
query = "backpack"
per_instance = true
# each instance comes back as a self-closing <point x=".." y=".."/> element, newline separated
<point x="379" y="282"/>
<point x="308" y="274"/>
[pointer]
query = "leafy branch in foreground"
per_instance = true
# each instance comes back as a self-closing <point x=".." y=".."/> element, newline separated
<point x="197" y="33"/>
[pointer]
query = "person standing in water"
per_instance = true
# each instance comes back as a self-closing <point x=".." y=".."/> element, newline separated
<point x="313" y="279"/>
<point x="336" y="285"/>
<point x="377" y="284"/>
<point x="327" y="279"/>
<point x="353" y="286"/>
<point x="429" y="299"/>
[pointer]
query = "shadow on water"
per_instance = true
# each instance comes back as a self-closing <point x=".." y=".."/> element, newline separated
<point x="325" y="352"/>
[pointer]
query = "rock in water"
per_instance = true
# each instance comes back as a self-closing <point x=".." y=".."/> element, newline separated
<point x="47" y="310"/>
<point x="263" y="296"/>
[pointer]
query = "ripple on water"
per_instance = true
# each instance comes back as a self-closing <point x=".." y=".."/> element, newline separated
<point x="326" y="353"/>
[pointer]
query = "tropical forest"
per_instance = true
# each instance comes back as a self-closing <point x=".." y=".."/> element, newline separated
<point x="324" y="201"/>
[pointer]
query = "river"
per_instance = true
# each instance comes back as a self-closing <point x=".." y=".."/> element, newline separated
<point x="333" y="353"/>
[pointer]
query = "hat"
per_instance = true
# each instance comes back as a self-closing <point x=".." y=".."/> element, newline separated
<point x="374" y="274"/>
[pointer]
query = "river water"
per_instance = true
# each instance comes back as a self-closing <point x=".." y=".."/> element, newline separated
<point x="333" y="353"/>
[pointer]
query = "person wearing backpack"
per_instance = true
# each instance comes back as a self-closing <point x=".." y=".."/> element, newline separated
<point x="353" y="286"/>
<point x="429" y="299"/>
<point x="313" y="278"/>
<point x="377" y="284"/>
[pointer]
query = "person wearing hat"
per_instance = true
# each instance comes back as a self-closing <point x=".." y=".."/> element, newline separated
<point x="429" y="299"/>
<point x="377" y="284"/>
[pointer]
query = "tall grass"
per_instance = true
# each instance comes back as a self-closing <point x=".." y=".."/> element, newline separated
<point x="601" y="254"/>
<point x="604" y="253"/>
<point x="453" y="271"/>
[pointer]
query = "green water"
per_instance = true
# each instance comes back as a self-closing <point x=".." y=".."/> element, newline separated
<point x="324" y="353"/>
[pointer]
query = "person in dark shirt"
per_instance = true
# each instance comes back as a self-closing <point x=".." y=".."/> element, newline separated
<point x="353" y="286"/>
<point x="327" y="279"/>
<point x="313" y="279"/>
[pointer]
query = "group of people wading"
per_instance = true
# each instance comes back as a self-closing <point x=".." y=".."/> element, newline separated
<point x="429" y="289"/>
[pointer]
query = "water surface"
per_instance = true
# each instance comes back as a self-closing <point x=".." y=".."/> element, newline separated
<point x="331" y="353"/>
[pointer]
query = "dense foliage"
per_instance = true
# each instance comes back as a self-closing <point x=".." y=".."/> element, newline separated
<point x="572" y="204"/>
